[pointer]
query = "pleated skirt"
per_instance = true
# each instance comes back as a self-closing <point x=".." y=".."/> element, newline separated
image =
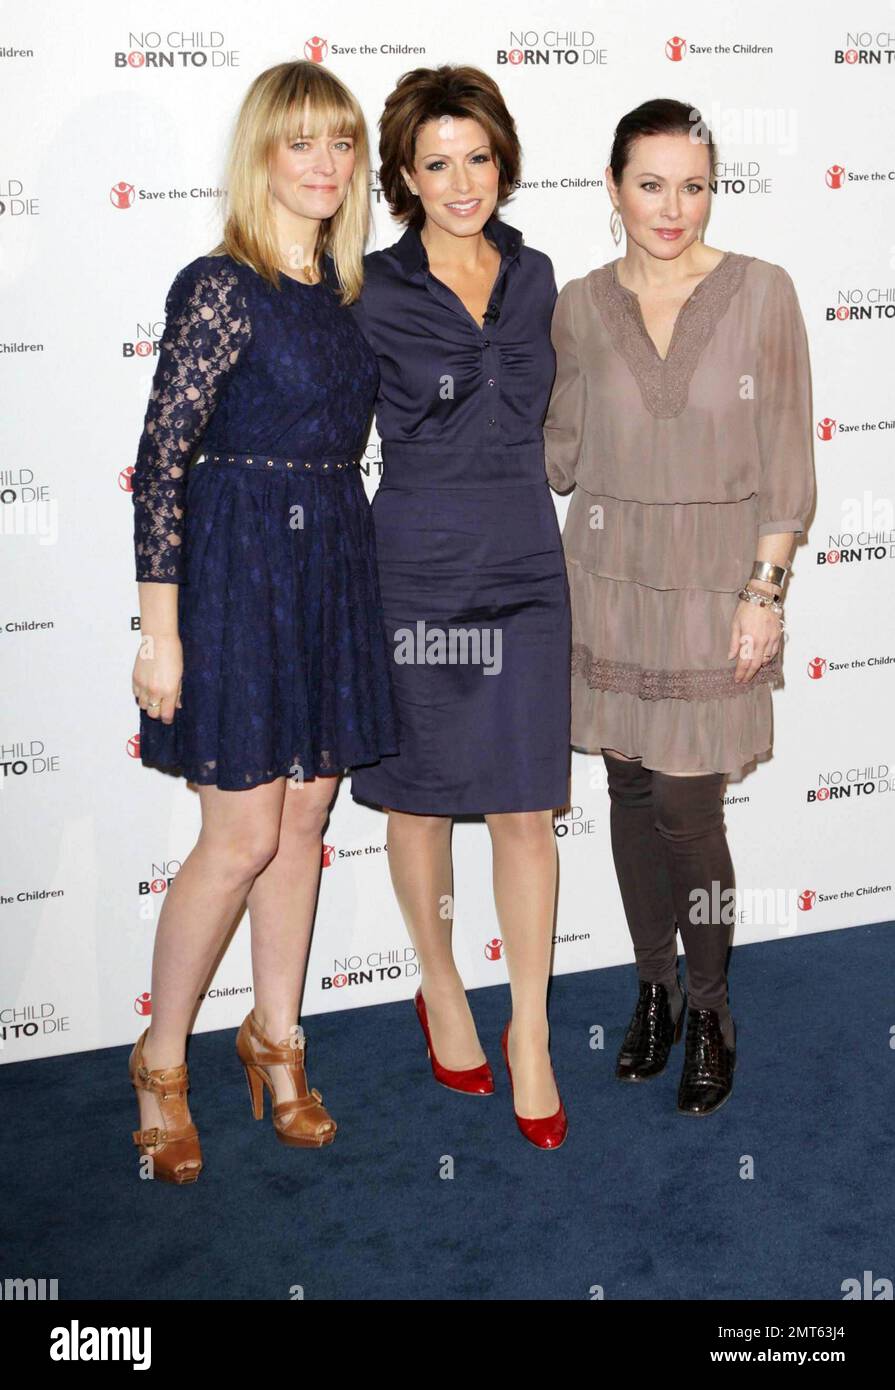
<point x="651" y="678"/>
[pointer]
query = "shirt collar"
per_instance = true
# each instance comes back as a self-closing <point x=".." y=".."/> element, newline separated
<point x="411" y="252"/>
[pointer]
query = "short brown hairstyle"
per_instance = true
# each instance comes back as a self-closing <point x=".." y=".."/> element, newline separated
<point x="425" y="94"/>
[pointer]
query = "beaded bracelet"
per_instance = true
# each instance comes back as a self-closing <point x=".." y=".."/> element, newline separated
<point x="764" y="601"/>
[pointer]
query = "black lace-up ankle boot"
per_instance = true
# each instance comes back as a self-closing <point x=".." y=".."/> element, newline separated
<point x="651" y="1034"/>
<point x="709" y="1062"/>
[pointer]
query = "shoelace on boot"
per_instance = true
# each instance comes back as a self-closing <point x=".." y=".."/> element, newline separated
<point x="706" y="1058"/>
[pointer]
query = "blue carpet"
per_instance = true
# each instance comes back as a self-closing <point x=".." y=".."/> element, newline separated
<point x="640" y="1201"/>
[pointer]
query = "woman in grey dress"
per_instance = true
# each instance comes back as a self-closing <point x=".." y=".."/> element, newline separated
<point x="681" y="414"/>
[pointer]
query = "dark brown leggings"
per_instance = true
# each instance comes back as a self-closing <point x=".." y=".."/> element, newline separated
<point x="668" y="838"/>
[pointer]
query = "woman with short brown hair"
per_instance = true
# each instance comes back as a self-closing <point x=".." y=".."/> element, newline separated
<point x="424" y="91"/>
<point x="458" y="312"/>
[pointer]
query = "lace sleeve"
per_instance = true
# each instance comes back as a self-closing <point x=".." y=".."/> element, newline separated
<point x="785" y="434"/>
<point x="564" y="424"/>
<point x="206" y="327"/>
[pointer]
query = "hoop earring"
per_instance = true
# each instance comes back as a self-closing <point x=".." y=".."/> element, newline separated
<point x="615" y="225"/>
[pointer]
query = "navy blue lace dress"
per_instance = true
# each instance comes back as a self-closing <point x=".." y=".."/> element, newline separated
<point x="267" y="531"/>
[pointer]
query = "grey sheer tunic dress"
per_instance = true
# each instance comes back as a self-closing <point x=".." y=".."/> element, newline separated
<point x="678" y="465"/>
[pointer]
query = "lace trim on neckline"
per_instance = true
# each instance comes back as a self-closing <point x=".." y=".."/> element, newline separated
<point x="665" y="382"/>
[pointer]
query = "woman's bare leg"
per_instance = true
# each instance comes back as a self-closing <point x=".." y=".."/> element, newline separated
<point x="282" y="903"/>
<point x="239" y="835"/>
<point x="419" y="858"/>
<point x="525" y="879"/>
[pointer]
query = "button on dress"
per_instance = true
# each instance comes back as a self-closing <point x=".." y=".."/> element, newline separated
<point x="267" y="531"/>
<point x="467" y="537"/>
<point x="679" y="465"/>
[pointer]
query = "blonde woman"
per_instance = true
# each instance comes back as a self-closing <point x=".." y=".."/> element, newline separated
<point x="262" y="672"/>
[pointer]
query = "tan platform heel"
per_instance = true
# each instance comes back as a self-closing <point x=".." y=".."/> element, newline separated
<point x="173" y="1146"/>
<point x="301" y="1122"/>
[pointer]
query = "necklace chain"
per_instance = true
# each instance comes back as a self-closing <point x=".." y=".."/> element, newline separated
<point x="306" y="271"/>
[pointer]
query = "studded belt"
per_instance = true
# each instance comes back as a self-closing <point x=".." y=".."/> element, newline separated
<point x="322" y="463"/>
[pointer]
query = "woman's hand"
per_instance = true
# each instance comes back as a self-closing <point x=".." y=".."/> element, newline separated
<point x="158" y="671"/>
<point x="755" y="636"/>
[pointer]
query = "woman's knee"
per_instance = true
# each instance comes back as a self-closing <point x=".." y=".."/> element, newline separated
<point x="240" y="830"/>
<point x="687" y="808"/>
<point x="523" y="828"/>
<point x="240" y="856"/>
<point x="307" y="805"/>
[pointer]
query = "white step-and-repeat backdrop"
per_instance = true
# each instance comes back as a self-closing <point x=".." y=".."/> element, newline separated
<point x="115" y="121"/>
